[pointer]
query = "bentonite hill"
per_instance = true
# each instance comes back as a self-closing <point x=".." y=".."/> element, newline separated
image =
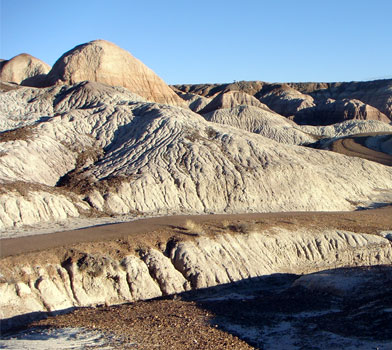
<point x="100" y="138"/>
<point x="107" y="136"/>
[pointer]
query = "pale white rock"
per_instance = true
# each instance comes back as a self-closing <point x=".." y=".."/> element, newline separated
<point x="25" y="106"/>
<point x="18" y="299"/>
<point x="141" y="283"/>
<point x="170" y="280"/>
<point x="53" y="288"/>
<point x="228" y="258"/>
<point x="42" y="161"/>
<point x="98" y="280"/>
<point x="263" y="122"/>
<point x="347" y="128"/>
<point x="18" y="209"/>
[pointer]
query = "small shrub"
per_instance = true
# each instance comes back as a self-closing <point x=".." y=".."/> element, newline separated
<point x="226" y="224"/>
<point x="193" y="227"/>
<point x="243" y="227"/>
<point x="23" y="133"/>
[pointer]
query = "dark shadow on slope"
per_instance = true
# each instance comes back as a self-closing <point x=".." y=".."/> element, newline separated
<point x="365" y="312"/>
<point x="17" y="323"/>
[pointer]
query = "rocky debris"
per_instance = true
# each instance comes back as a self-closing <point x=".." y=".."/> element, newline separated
<point x="155" y="324"/>
<point x="286" y="313"/>
<point x="231" y="99"/>
<point x="85" y="279"/>
<point x="104" y="62"/>
<point x="23" y="69"/>
<point x="262" y="122"/>
<point x="332" y="111"/>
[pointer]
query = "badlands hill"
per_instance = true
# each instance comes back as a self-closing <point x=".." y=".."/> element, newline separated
<point x="23" y="69"/>
<point x="84" y="147"/>
<point x="101" y="138"/>
<point x="311" y="103"/>
<point x="105" y="62"/>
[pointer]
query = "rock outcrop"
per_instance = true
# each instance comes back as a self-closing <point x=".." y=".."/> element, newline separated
<point x="87" y="279"/>
<point x="104" y="62"/>
<point x="283" y="99"/>
<point x="231" y="99"/>
<point x="23" y="69"/>
<point x="332" y="111"/>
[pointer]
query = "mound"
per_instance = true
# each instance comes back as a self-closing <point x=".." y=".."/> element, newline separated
<point x="347" y="128"/>
<point x="232" y="99"/>
<point x="263" y="122"/>
<point x="283" y="99"/>
<point x="105" y="62"/>
<point x="22" y="68"/>
<point x="376" y="93"/>
<point x="195" y="102"/>
<point x="99" y="150"/>
<point x="331" y="112"/>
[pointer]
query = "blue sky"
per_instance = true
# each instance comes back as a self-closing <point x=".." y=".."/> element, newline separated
<point x="214" y="41"/>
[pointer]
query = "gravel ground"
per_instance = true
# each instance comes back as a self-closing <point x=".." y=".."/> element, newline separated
<point x="156" y="324"/>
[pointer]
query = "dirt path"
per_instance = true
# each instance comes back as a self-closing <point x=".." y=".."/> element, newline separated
<point x="354" y="147"/>
<point x="366" y="221"/>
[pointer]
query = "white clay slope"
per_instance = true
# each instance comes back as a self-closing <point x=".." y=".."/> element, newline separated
<point x="133" y="155"/>
<point x="262" y="122"/>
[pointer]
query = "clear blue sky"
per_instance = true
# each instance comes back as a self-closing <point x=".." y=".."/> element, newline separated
<point x="199" y="41"/>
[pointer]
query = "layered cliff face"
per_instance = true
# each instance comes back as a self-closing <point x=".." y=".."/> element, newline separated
<point x="312" y="103"/>
<point x="59" y="280"/>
